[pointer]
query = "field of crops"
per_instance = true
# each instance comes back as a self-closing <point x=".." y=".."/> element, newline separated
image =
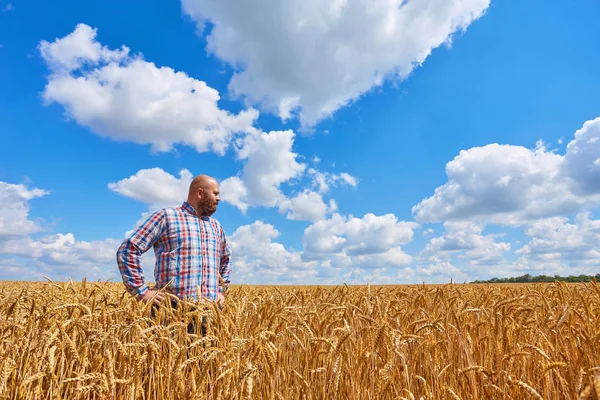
<point x="91" y="340"/>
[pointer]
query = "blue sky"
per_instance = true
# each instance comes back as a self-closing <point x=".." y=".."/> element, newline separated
<point x="355" y="141"/>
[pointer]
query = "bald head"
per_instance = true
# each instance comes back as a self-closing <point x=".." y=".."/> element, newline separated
<point x="203" y="194"/>
<point x="201" y="182"/>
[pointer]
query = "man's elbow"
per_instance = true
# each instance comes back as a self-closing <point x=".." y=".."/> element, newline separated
<point x="121" y="251"/>
<point x="125" y="249"/>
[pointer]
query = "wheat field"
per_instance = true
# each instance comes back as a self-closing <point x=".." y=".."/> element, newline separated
<point x="84" y="340"/>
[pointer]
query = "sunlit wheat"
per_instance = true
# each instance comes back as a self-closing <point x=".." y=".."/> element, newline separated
<point x="92" y="341"/>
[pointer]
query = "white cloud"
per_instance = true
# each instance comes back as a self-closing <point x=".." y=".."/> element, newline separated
<point x="557" y="239"/>
<point x="57" y="256"/>
<point x="63" y="250"/>
<point x="77" y="49"/>
<point x="14" y="269"/>
<point x="581" y="161"/>
<point x="323" y="180"/>
<point x="461" y="253"/>
<point x="306" y="205"/>
<point x="233" y="191"/>
<point x="269" y="162"/>
<point x="126" y="98"/>
<point x="405" y="275"/>
<point x="441" y="272"/>
<point x="258" y="259"/>
<point x="556" y="246"/>
<point x="367" y="242"/>
<point x="155" y="187"/>
<point x="315" y="57"/>
<point x="349" y="179"/>
<point x="14" y="213"/>
<point x="435" y="272"/>
<point x="392" y="258"/>
<point x="501" y="182"/>
<point x="465" y="240"/>
<point x="512" y="185"/>
<point x="123" y="97"/>
<point x="158" y="188"/>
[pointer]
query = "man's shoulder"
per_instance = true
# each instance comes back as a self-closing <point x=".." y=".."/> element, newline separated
<point x="164" y="214"/>
<point x="171" y="210"/>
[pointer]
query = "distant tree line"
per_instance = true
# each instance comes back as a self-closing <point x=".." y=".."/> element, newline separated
<point x="543" y="278"/>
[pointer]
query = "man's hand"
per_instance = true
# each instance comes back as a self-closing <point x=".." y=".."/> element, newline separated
<point x="154" y="295"/>
<point x="220" y="299"/>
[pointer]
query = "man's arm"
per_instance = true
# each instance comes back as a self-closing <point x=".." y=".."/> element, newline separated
<point x="225" y="268"/>
<point x="130" y="253"/>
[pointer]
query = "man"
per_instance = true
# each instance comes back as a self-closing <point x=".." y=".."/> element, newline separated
<point x="192" y="252"/>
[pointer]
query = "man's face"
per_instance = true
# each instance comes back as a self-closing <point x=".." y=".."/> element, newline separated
<point x="208" y="198"/>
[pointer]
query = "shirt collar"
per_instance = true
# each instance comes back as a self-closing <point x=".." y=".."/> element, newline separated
<point x="187" y="207"/>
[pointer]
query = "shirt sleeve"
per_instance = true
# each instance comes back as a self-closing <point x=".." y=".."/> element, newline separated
<point x="130" y="252"/>
<point x="225" y="269"/>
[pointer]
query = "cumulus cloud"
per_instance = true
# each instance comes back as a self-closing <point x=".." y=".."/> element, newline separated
<point x="556" y="246"/>
<point x="559" y="246"/>
<point x="367" y="242"/>
<point x="440" y="272"/>
<point x="233" y="191"/>
<point x="362" y="264"/>
<point x="14" y="213"/>
<point x="371" y="248"/>
<point x="123" y="97"/>
<point x="155" y="186"/>
<point x="513" y="185"/>
<point x="306" y="205"/>
<point x="63" y="250"/>
<point x="582" y="161"/>
<point x="270" y="162"/>
<point x="57" y="255"/>
<point x="313" y="57"/>
<point x="158" y="188"/>
<point x="461" y="253"/>
<point x="465" y="240"/>
<point x="557" y="239"/>
<point x="258" y="259"/>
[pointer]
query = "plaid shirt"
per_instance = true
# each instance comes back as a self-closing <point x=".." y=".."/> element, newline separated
<point x="191" y="252"/>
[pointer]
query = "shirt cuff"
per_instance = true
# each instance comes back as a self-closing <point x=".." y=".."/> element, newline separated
<point x="139" y="291"/>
